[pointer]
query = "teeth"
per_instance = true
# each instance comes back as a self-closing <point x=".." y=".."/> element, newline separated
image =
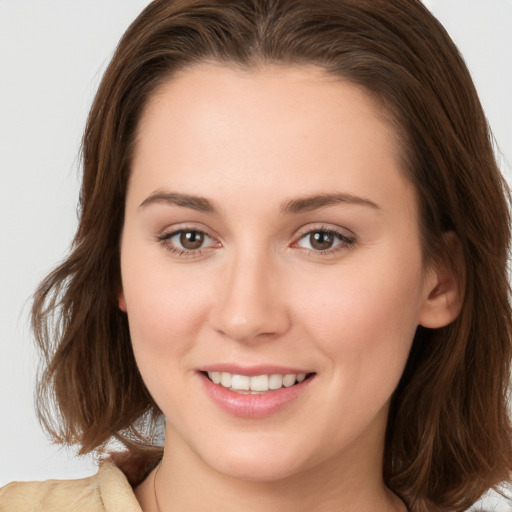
<point x="275" y="382"/>
<point x="215" y="377"/>
<point x="225" y="379"/>
<point x="289" y="380"/>
<point x="241" y="382"/>
<point x="258" y="383"/>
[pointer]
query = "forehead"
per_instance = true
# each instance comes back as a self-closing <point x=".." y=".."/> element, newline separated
<point x="297" y="127"/>
<point x="212" y="88"/>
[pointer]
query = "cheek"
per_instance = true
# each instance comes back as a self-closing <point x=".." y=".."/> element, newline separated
<point x="166" y="312"/>
<point x="165" y="307"/>
<point x="365" y="317"/>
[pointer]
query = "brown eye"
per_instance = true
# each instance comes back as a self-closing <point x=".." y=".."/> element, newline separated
<point x="324" y="241"/>
<point x="187" y="242"/>
<point x="321" y="240"/>
<point x="191" y="240"/>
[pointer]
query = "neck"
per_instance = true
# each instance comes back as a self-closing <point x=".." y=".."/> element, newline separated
<point x="184" y="482"/>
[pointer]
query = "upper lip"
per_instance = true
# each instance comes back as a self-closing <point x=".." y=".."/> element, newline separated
<point x="253" y="370"/>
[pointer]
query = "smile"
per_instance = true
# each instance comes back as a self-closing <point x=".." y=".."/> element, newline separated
<point x="255" y="384"/>
<point x="264" y="392"/>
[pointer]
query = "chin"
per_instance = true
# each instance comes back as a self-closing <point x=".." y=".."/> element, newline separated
<point x="256" y="469"/>
<point x="265" y="461"/>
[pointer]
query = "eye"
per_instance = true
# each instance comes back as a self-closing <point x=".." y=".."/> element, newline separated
<point x="190" y="240"/>
<point x="185" y="241"/>
<point x="324" y="240"/>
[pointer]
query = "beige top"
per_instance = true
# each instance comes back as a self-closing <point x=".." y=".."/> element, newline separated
<point x="106" y="491"/>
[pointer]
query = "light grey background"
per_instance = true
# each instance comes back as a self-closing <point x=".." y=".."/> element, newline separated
<point x="52" y="55"/>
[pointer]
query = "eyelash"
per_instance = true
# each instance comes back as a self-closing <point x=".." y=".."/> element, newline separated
<point x="344" y="242"/>
<point x="165" y="240"/>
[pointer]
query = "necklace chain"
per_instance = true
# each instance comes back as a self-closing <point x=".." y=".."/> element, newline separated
<point x="154" y="487"/>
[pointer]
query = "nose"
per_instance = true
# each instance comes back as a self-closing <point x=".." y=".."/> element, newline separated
<point x="251" y="304"/>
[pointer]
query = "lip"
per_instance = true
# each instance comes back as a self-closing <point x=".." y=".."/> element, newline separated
<point x="248" y="405"/>
<point x="253" y="370"/>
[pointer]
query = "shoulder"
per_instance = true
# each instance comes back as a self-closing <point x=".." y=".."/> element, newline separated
<point x="106" y="491"/>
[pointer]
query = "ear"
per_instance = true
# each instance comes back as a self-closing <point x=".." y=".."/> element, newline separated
<point x="444" y="286"/>
<point x="121" y="302"/>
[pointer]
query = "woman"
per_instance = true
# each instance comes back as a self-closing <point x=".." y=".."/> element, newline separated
<point x="293" y="246"/>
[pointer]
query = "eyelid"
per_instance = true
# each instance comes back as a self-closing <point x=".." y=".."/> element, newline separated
<point x="168" y="233"/>
<point x="329" y="228"/>
<point x="185" y="226"/>
<point x="347" y="238"/>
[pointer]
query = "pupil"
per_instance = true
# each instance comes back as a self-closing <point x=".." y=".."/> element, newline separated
<point x="321" y="240"/>
<point x="191" y="239"/>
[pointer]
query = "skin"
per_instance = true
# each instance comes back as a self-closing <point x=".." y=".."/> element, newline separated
<point x="258" y="292"/>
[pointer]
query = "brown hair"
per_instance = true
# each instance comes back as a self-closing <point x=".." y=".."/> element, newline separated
<point x="448" y="436"/>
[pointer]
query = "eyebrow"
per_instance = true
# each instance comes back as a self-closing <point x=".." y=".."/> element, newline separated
<point x="294" y="206"/>
<point x="315" y="202"/>
<point x="200" y="204"/>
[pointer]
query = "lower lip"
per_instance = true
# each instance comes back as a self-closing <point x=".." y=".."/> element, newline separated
<point x="253" y="406"/>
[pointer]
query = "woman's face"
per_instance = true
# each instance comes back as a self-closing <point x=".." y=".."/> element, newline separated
<point x="271" y="242"/>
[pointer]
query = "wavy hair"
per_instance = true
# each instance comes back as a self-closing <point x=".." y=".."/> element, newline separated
<point x="449" y="434"/>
